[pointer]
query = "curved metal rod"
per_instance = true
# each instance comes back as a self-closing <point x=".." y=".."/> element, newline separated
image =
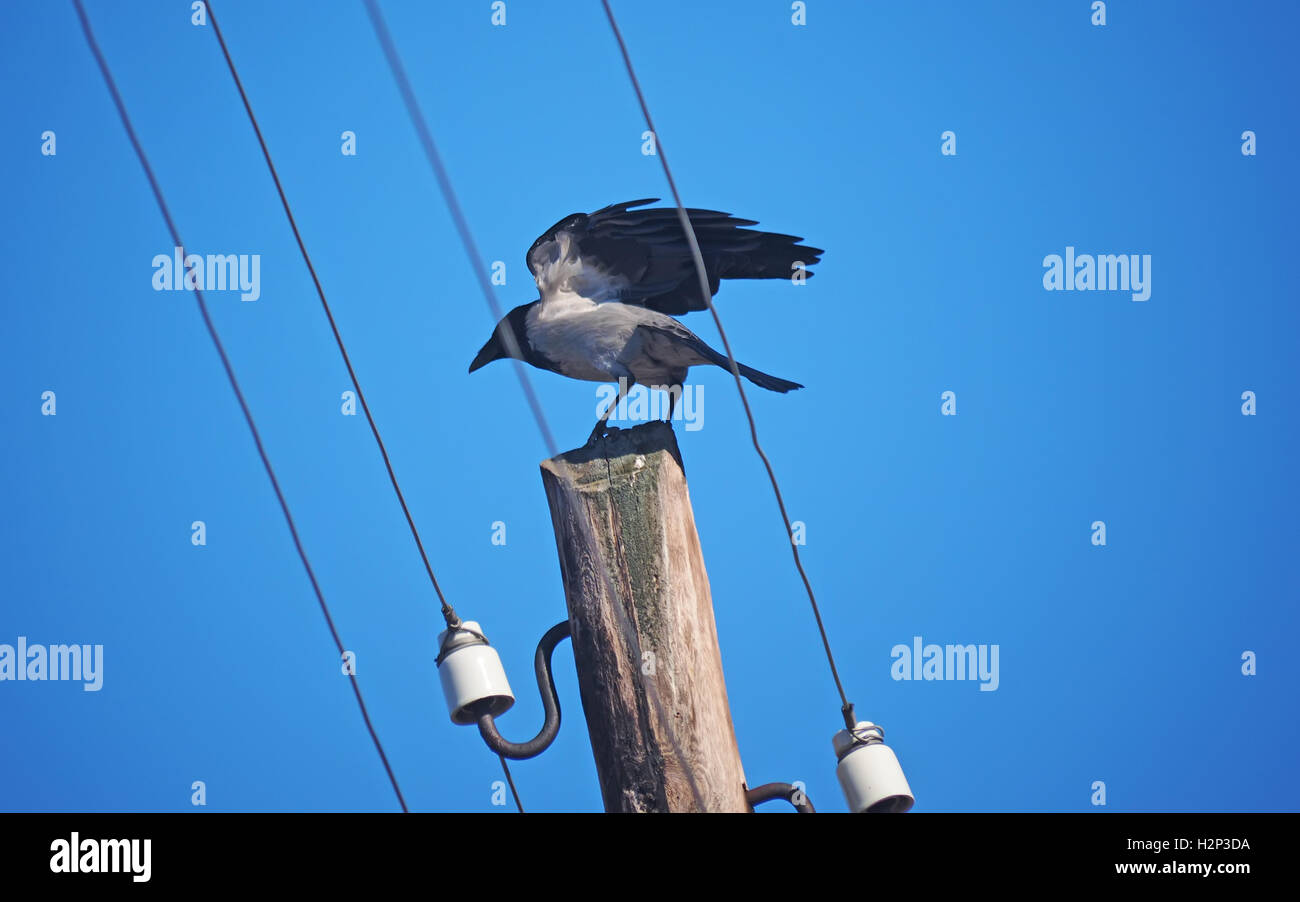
<point x="546" y="685"/>
<point x="771" y="791"/>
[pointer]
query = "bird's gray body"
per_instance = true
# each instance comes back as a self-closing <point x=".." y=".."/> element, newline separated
<point x="607" y="340"/>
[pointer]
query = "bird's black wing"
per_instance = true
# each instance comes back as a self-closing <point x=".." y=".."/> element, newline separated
<point x="642" y="256"/>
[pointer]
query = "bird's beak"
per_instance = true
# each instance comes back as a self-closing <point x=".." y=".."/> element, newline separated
<point x="489" y="352"/>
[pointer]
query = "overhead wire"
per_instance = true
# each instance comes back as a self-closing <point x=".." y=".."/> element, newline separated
<point x="511" y="780"/>
<point x="452" y="620"/>
<point x="846" y="708"/>
<point x="448" y="612"/>
<point x="234" y="384"/>
<point x="431" y="153"/>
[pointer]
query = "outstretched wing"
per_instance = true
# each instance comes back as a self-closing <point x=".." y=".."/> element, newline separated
<point x="642" y="256"/>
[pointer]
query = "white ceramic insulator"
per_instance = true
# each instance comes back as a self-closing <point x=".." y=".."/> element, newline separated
<point x="870" y="775"/>
<point x="471" y="674"/>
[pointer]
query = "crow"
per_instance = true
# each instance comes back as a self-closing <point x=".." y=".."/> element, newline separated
<point x="612" y="281"/>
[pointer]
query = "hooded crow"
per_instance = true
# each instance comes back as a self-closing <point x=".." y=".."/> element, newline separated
<point x="611" y="283"/>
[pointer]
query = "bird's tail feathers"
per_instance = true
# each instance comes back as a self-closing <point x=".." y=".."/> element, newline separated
<point x="763" y="380"/>
<point x="758" y="377"/>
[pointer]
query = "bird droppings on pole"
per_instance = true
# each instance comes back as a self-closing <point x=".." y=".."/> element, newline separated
<point x="649" y="669"/>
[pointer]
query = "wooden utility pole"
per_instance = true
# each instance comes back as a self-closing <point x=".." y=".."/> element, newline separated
<point x="649" y="669"/>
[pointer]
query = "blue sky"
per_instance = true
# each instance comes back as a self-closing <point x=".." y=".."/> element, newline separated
<point x="1120" y="664"/>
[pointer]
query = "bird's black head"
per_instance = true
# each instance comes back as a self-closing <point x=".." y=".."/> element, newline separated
<point x="508" y="339"/>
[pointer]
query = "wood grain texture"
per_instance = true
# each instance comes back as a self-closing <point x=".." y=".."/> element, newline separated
<point x="648" y="664"/>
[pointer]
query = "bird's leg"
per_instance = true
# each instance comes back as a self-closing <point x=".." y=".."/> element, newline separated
<point x="672" y="401"/>
<point x="624" y="386"/>
<point x="676" y="388"/>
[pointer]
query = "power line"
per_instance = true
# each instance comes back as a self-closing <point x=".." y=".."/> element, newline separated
<point x="234" y="384"/>
<point x="507" y="338"/>
<point x="458" y="215"/>
<point x="511" y="780"/>
<point x="847" y="708"/>
<point x="448" y="612"/>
